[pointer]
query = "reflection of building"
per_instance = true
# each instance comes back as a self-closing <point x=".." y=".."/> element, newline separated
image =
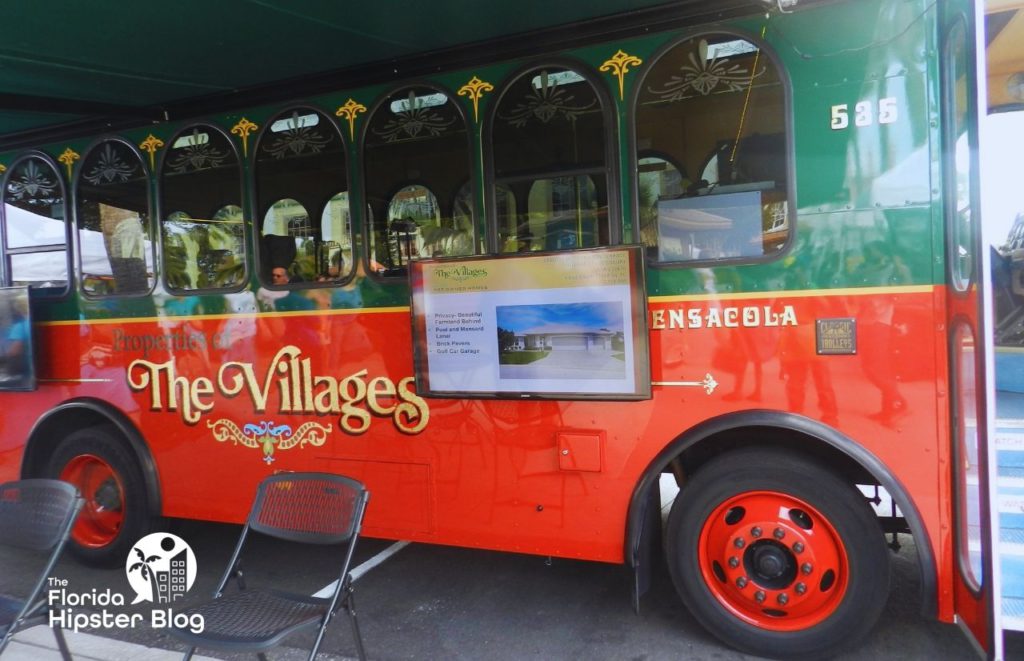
<point x="173" y="583"/>
<point x="565" y="338"/>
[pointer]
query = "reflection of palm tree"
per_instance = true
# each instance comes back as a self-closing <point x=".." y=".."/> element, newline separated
<point x="199" y="256"/>
<point x="144" y="569"/>
<point x="175" y="262"/>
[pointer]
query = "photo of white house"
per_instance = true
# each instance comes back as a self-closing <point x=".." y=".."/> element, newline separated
<point x="564" y="337"/>
<point x="561" y="341"/>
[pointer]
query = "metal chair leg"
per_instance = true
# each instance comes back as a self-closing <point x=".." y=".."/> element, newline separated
<point x="62" y="644"/>
<point x="350" y="608"/>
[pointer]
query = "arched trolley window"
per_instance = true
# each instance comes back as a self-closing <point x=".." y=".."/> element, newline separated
<point x="202" y="228"/>
<point x="35" y="229"/>
<point x="711" y="153"/>
<point x="548" y="143"/>
<point x="302" y="200"/>
<point x="416" y="158"/>
<point x="114" y="233"/>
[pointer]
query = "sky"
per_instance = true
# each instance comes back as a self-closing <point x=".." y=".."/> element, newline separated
<point x="565" y="317"/>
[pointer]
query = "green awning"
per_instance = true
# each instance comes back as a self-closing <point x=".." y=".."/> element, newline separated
<point x="75" y="65"/>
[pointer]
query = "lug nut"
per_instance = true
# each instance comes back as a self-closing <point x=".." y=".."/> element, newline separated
<point x="739" y="543"/>
<point x="806" y="568"/>
<point x="734" y="562"/>
<point x="779" y="533"/>
<point x="755" y="531"/>
<point x="801" y="588"/>
<point x="759" y="596"/>
<point x="783" y="599"/>
<point x="798" y="547"/>
<point x="741" y="582"/>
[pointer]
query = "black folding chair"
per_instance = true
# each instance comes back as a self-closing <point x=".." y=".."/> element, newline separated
<point x="35" y="516"/>
<point x="313" y="508"/>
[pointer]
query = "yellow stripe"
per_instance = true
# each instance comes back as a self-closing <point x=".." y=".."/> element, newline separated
<point x="807" y="293"/>
<point x="233" y="315"/>
<point x="732" y="296"/>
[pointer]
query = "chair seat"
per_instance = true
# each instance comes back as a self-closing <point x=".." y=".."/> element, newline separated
<point x="253" y="620"/>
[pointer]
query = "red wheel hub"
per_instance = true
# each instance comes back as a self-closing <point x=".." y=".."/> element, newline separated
<point x="773" y="561"/>
<point x="103" y="512"/>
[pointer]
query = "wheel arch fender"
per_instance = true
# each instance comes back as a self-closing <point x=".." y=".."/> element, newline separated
<point x="50" y="429"/>
<point x="795" y="431"/>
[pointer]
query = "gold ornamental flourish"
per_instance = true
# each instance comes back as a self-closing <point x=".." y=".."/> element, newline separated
<point x="268" y="436"/>
<point x="151" y="144"/>
<point x="68" y="158"/>
<point x="349" y="111"/>
<point x="619" y="65"/>
<point x="475" y="89"/>
<point x="3" y="168"/>
<point x="243" y="128"/>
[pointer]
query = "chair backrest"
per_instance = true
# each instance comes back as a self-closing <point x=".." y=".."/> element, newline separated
<point x="316" y="508"/>
<point x="37" y="514"/>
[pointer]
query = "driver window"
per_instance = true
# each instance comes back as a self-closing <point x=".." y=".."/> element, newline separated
<point x="711" y="153"/>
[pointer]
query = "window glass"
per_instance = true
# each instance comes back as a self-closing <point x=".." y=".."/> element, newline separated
<point x="958" y="184"/>
<point x="202" y="228"/>
<point x="551" y="184"/>
<point x="416" y="158"/>
<point x="288" y="242"/>
<point x="302" y="192"/>
<point x="415" y="229"/>
<point x="34" y="226"/>
<point x="335" y="252"/>
<point x="114" y="238"/>
<point x="711" y="153"/>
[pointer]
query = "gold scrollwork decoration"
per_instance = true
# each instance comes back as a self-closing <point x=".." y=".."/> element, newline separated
<point x="150" y="145"/>
<point x="227" y="430"/>
<point x="309" y="432"/>
<point x="475" y="89"/>
<point x="269" y="436"/>
<point x="349" y="112"/>
<point x="68" y="158"/>
<point x="242" y="129"/>
<point x="3" y="168"/>
<point x="619" y="65"/>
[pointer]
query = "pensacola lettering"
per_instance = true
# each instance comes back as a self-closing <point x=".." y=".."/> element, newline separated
<point x="747" y="316"/>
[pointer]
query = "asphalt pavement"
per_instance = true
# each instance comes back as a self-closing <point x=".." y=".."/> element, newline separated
<point x="435" y="602"/>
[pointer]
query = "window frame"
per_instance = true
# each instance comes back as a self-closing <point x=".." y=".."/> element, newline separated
<point x="5" y="252"/>
<point x="150" y="204"/>
<point x="611" y="149"/>
<point x="950" y="222"/>
<point x="471" y="167"/>
<point x="160" y="214"/>
<point x="633" y="156"/>
<point x="315" y="216"/>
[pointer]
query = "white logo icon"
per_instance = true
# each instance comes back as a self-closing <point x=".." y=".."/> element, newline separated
<point x="161" y="567"/>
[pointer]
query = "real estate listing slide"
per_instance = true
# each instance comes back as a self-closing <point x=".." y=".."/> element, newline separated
<point x="567" y="325"/>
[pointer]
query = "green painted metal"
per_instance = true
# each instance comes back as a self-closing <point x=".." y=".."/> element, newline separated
<point x="853" y="187"/>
